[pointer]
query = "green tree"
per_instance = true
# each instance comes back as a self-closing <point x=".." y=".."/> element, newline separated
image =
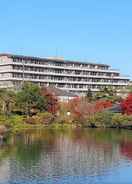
<point x="7" y="101"/>
<point x="89" y="95"/>
<point x="107" y="93"/>
<point x="29" y="98"/>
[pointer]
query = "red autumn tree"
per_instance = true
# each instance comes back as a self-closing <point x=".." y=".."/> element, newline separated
<point x="80" y="108"/>
<point x="100" y="105"/>
<point x="126" y="105"/>
<point x="52" y="104"/>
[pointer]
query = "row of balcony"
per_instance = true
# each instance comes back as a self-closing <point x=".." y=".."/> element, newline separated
<point x="63" y="67"/>
<point x="64" y="74"/>
<point x="61" y="62"/>
<point x="63" y="81"/>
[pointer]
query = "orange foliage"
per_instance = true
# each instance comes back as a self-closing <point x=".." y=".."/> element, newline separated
<point x="81" y="108"/>
<point x="102" y="104"/>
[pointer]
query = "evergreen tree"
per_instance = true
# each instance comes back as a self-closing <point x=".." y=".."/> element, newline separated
<point x="30" y="98"/>
<point x="89" y="94"/>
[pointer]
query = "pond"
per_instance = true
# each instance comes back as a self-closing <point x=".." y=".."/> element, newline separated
<point x="81" y="156"/>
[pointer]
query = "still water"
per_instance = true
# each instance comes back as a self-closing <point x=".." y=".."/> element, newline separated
<point x="67" y="157"/>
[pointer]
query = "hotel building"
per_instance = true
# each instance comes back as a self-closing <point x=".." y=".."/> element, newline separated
<point x="71" y="76"/>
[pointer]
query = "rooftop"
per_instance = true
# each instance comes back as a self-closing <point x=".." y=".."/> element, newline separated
<point x="55" y="59"/>
<point x="59" y="92"/>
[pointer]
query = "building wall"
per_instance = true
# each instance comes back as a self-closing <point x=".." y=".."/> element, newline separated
<point x="76" y="77"/>
<point x="65" y="98"/>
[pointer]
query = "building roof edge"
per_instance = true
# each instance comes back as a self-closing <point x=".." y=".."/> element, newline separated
<point x="51" y="59"/>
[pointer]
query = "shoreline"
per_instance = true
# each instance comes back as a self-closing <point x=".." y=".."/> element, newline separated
<point x="56" y="126"/>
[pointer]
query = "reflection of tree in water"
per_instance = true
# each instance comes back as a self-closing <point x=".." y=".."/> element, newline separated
<point x="113" y="136"/>
<point x="83" y="156"/>
<point x="5" y="153"/>
<point x="77" y="153"/>
<point x="46" y="153"/>
<point x="30" y="145"/>
<point x="126" y="149"/>
<point x="88" y="152"/>
<point x="28" y="154"/>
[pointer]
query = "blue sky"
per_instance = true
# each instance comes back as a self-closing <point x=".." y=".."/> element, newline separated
<point x="91" y="30"/>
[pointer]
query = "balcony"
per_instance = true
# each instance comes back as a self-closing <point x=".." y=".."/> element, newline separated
<point x="65" y="67"/>
<point x="64" y="81"/>
<point x="65" y="74"/>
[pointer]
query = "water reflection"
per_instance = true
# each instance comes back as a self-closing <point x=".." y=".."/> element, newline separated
<point x="51" y="156"/>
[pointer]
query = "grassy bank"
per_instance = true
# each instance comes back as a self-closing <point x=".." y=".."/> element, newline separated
<point x="18" y="123"/>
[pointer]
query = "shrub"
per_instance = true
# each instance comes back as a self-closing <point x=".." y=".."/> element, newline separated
<point x="31" y="120"/>
<point x="40" y="118"/>
<point x="3" y="120"/>
<point x="101" y="119"/>
<point x="119" y="120"/>
<point x="64" y="119"/>
<point x="45" y="118"/>
<point x="16" y="123"/>
<point x="15" y="120"/>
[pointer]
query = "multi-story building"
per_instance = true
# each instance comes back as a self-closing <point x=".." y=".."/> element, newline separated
<point x="73" y="76"/>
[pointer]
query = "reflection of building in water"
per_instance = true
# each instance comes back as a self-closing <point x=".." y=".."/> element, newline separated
<point x="81" y="158"/>
<point x="67" y="157"/>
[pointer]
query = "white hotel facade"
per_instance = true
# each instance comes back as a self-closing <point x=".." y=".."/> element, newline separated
<point x="71" y="76"/>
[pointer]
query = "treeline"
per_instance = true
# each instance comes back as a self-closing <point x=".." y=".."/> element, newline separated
<point x="32" y="105"/>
